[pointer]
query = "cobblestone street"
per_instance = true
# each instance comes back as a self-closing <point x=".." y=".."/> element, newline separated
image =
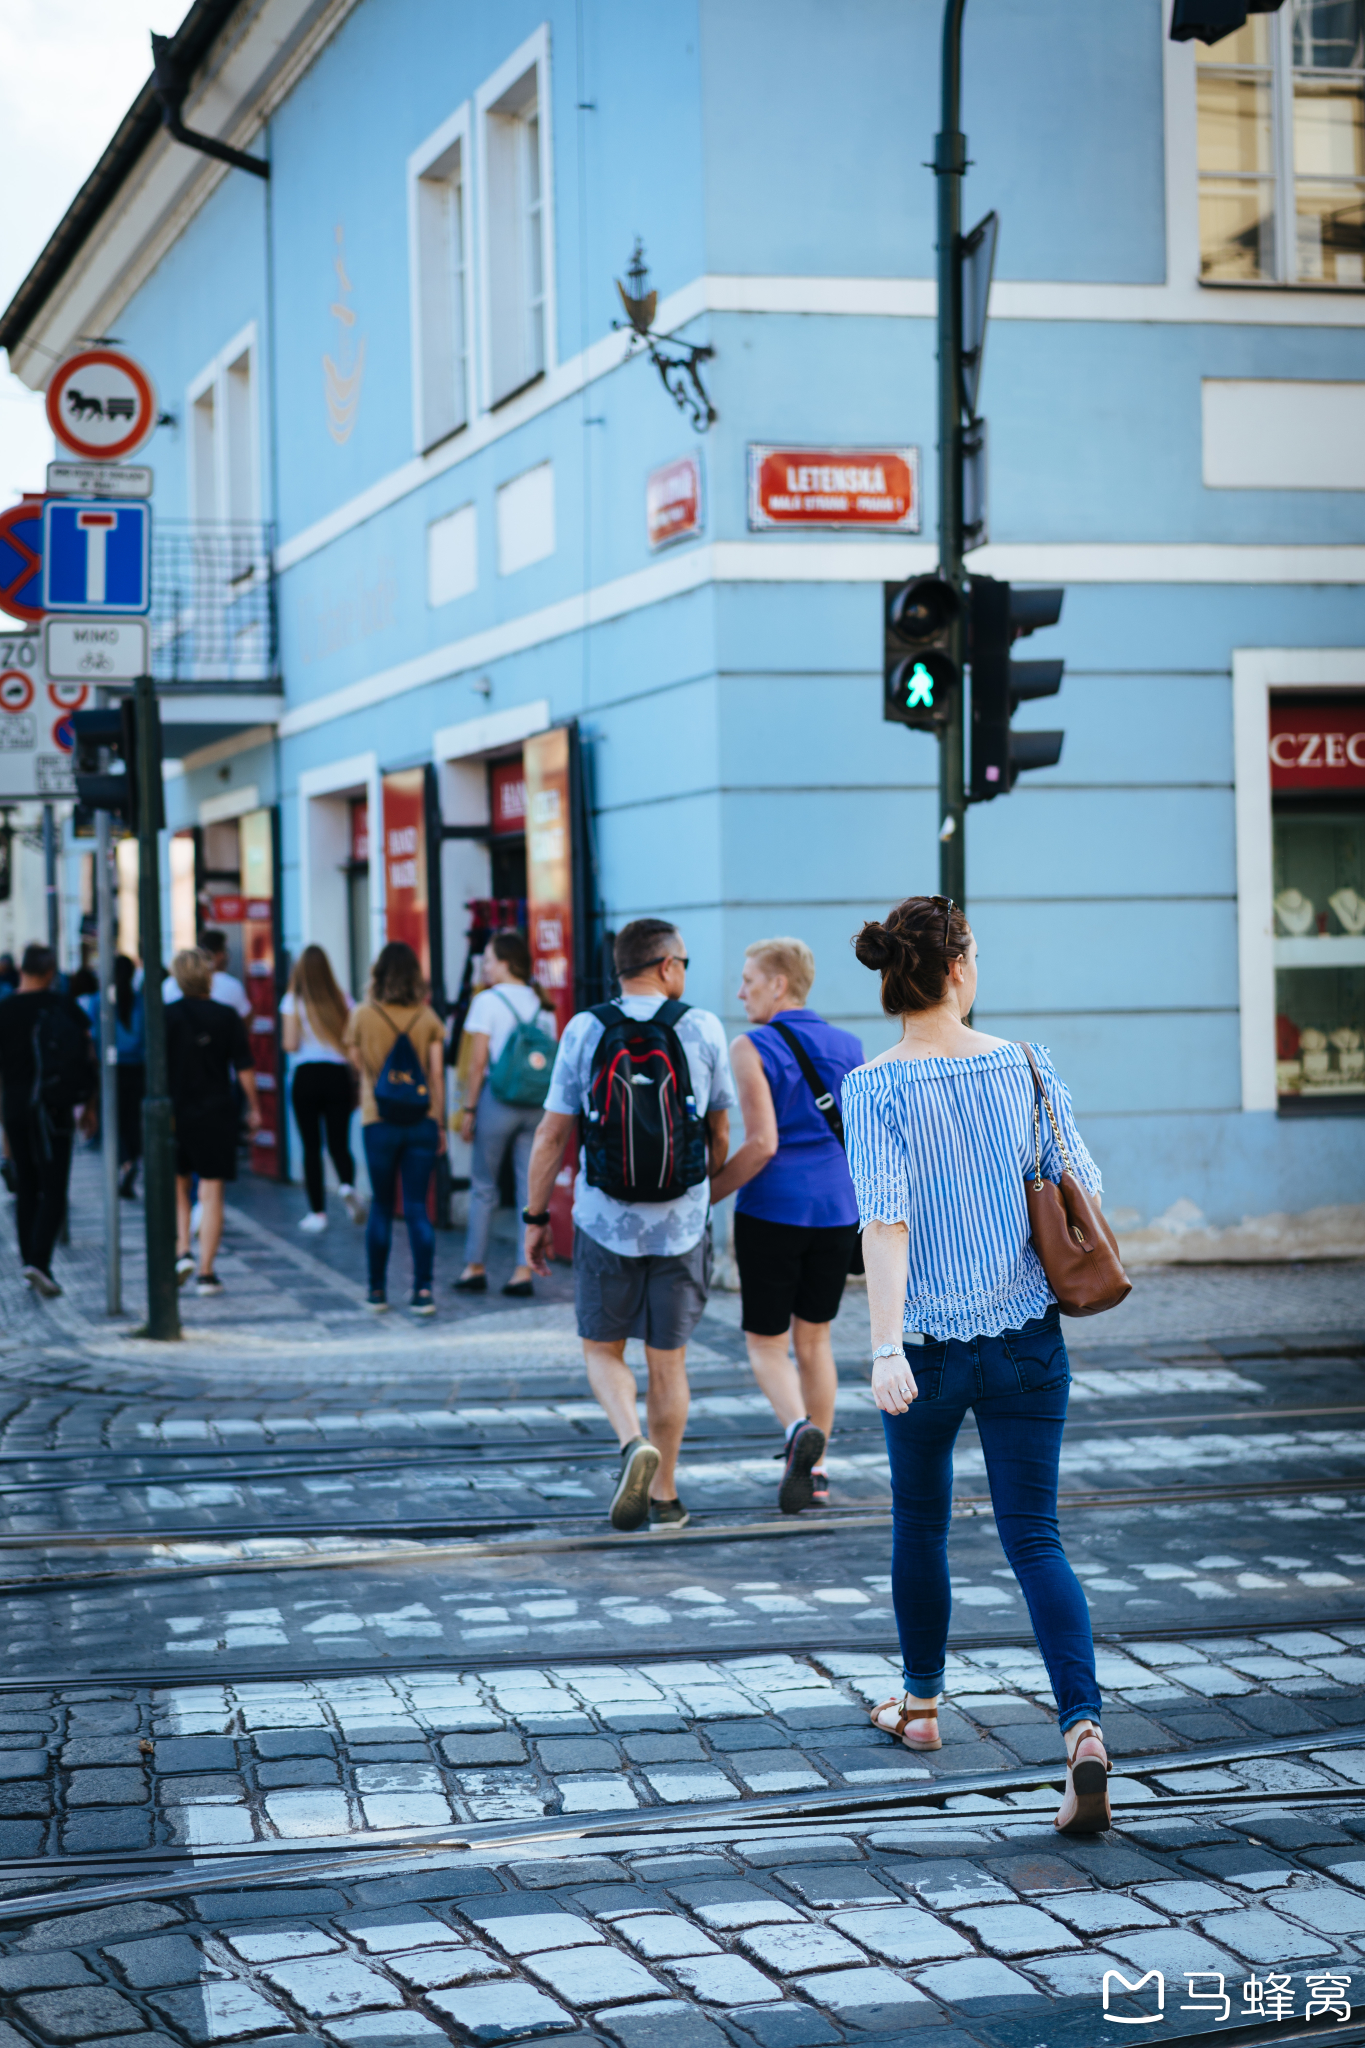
<point x="332" y="1711"/>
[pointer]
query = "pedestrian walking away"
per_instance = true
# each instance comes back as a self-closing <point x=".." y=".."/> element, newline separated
<point x="207" y="1050"/>
<point x="511" y="1030"/>
<point x="796" y="1216"/>
<point x="223" y="987"/>
<point x="130" y="1047"/>
<point x="49" y="1078"/>
<point x="941" y="1135"/>
<point x="396" y="1043"/>
<point x="650" y="1078"/>
<point x="314" y="1015"/>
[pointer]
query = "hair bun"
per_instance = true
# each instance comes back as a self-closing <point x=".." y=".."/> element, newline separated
<point x="882" y="950"/>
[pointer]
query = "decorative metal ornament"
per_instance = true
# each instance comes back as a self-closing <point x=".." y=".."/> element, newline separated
<point x="677" y="362"/>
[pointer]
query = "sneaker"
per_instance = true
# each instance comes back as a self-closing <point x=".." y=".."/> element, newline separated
<point x="196" y="1218"/>
<point x="422" y="1303"/>
<point x="314" y="1221"/>
<point x="353" y="1204"/>
<point x="819" y="1489"/>
<point x="42" y="1283"/>
<point x="805" y="1447"/>
<point x="208" y="1283"/>
<point x="184" y="1266"/>
<point x="630" y="1502"/>
<point x="377" y="1302"/>
<point x="667" y="1514"/>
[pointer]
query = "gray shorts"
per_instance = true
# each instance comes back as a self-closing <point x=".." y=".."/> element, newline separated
<point x="658" y="1298"/>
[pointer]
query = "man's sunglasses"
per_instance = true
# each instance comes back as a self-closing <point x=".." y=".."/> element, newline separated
<point x="663" y="961"/>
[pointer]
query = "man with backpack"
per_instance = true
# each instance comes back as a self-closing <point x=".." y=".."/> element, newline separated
<point x="47" y="1072"/>
<point x="647" y="1080"/>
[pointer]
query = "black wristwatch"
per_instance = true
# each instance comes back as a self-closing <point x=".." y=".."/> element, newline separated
<point x="535" y="1216"/>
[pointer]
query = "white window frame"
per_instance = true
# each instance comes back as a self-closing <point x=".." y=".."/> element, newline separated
<point x="214" y="377"/>
<point x="453" y="134"/>
<point x="358" y="775"/>
<point x="1256" y="671"/>
<point x="1283" y="174"/>
<point x="533" y="54"/>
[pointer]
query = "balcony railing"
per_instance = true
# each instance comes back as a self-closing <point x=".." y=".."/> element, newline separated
<point x="213" y="605"/>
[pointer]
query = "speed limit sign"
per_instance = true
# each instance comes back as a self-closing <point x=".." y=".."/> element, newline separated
<point x="16" y="690"/>
<point x="68" y="696"/>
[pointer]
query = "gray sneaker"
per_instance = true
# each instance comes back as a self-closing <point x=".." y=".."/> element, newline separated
<point x="42" y="1283"/>
<point x="630" y="1502"/>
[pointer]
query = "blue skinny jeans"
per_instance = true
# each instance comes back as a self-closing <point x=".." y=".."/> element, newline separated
<point x="1016" y="1384"/>
<point x="405" y="1152"/>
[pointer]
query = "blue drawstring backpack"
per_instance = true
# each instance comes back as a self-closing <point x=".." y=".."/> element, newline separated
<point x="401" y="1093"/>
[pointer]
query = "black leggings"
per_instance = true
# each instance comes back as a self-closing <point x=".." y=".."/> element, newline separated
<point x="322" y="1094"/>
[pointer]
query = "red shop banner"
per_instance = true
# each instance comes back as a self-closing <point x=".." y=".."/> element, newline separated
<point x="549" y="867"/>
<point x="405" y="861"/>
<point x="874" y="488"/>
<point x="1317" y="743"/>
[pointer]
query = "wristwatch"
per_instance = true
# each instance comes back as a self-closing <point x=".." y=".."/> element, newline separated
<point x="888" y="1351"/>
<point x="535" y="1215"/>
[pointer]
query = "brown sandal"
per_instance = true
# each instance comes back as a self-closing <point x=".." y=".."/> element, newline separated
<point x="903" y="1720"/>
<point x="1089" y="1779"/>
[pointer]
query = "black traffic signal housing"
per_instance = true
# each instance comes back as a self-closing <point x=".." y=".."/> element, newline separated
<point x="920" y="677"/>
<point x="106" y="760"/>
<point x="998" y="616"/>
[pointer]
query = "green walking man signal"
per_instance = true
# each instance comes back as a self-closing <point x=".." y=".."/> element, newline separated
<point x="919" y="675"/>
<point x="921" y="690"/>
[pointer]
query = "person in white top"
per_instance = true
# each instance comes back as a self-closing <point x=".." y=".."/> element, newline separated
<point x="509" y="999"/>
<point x="224" y="987"/>
<point x="313" y="1017"/>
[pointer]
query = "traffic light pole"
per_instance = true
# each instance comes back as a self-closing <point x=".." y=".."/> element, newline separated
<point x="950" y="164"/>
<point x="104" y="911"/>
<point x="163" y="1300"/>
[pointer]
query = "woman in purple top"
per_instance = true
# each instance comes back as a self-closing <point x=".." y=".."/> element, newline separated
<point x="796" y="1216"/>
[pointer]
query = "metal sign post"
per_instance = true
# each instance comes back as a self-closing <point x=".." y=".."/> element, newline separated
<point x="950" y="164"/>
<point x="104" y="911"/>
<point x="158" y="1145"/>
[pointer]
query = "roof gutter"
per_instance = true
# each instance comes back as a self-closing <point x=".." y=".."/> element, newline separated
<point x="186" y="50"/>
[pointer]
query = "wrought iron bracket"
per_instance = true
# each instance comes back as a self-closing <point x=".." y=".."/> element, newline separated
<point x="677" y="362"/>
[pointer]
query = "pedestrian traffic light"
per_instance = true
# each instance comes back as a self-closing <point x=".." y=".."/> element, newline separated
<point x="106" y="760"/>
<point x="998" y="616"/>
<point x="919" y="674"/>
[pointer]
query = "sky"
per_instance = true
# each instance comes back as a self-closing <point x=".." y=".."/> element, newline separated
<point x="69" y="71"/>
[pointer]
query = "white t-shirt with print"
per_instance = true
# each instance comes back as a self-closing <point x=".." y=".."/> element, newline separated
<point x="311" y="1047"/>
<point x="491" y="1012"/>
<point x="643" y="1229"/>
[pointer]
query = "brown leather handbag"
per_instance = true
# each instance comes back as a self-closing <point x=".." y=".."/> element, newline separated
<point x="1075" y="1246"/>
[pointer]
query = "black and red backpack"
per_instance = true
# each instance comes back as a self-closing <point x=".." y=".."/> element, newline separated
<point x="643" y="1140"/>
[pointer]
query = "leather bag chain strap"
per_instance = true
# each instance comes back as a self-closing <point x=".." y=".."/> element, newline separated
<point x="1040" y="1093"/>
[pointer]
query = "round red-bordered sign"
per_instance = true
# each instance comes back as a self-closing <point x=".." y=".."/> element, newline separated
<point x="64" y="734"/>
<point x="68" y="696"/>
<point x="21" y="560"/>
<point x="16" y="690"/>
<point x="101" y="405"/>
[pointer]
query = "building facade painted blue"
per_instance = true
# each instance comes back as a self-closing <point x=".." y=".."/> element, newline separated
<point x="400" y="353"/>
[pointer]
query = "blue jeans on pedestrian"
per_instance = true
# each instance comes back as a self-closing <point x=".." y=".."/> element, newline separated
<point x="405" y="1152"/>
<point x="1016" y="1384"/>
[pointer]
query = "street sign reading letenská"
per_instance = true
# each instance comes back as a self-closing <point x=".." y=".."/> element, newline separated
<point x="96" y="555"/>
<point x="869" y="488"/>
<point x="98" y="480"/>
<point x="101" y="405"/>
<point x="90" y="650"/>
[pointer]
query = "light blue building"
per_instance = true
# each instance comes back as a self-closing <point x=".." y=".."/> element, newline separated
<point x="402" y="497"/>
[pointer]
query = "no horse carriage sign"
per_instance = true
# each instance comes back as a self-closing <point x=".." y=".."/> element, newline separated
<point x="101" y="405"/>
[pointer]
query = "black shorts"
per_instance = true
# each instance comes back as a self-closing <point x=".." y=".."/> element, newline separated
<point x="787" y="1269"/>
<point x="206" y="1142"/>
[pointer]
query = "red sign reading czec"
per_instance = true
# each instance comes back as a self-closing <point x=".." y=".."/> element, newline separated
<point x="1317" y="743"/>
<point x="865" y="487"/>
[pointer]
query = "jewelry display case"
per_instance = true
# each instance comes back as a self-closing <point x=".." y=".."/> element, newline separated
<point x="1319" y="881"/>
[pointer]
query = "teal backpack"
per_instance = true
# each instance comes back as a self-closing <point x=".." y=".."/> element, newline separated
<point x="521" y="1072"/>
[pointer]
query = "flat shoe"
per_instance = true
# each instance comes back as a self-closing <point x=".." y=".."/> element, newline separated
<point x="904" y="1716"/>
<point x="519" y="1290"/>
<point x="474" y="1283"/>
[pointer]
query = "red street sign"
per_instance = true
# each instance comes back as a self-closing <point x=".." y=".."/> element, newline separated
<point x="1317" y="742"/>
<point x="16" y="690"/>
<point x="875" y="488"/>
<point x="673" y="501"/>
<point x="21" y="560"/>
<point x="101" y="405"/>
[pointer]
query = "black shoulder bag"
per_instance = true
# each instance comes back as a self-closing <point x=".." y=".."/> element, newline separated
<point x="828" y="1108"/>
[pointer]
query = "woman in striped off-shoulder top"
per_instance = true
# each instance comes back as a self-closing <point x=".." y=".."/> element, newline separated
<point x="940" y="1136"/>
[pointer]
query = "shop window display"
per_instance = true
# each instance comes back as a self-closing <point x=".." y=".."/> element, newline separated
<point x="1320" y="956"/>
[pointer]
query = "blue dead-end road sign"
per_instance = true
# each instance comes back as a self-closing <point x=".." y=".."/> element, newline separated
<point x="96" y="555"/>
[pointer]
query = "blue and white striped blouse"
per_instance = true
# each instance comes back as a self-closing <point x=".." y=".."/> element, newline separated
<point x="944" y="1145"/>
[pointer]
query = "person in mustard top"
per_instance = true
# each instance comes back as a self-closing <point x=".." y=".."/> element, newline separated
<point x="402" y="1104"/>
